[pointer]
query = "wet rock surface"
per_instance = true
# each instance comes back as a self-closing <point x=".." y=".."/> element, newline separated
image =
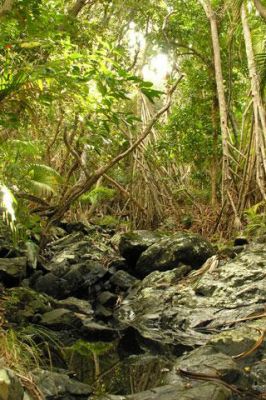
<point x="192" y="328"/>
<point x="172" y="252"/>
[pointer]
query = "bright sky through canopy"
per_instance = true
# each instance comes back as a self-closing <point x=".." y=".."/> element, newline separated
<point x="157" y="69"/>
<point x="158" y="66"/>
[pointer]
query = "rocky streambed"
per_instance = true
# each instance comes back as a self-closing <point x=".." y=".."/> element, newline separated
<point x="135" y="316"/>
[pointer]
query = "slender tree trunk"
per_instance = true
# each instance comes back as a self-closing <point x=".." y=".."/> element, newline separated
<point x="214" y="161"/>
<point x="79" y="5"/>
<point x="258" y="108"/>
<point x="261" y="8"/>
<point x="220" y="94"/>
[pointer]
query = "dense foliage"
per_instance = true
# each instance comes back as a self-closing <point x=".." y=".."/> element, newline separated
<point x="85" y="135"/>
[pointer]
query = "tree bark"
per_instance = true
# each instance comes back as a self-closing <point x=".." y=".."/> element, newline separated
<point x="220" y="93"/>
<point x="261" y="8"/>
<point x="79" y="5"/>
<point x="258" y="107"/>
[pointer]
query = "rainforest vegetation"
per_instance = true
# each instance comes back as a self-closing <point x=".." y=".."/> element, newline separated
<point x="137" y="114"/>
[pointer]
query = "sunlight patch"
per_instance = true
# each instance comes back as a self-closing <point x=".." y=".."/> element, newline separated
<point x="7" y="203"/>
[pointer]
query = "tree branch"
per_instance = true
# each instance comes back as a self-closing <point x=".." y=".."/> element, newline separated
<point x="261" y="8"/>
<point x="79" y="5"/>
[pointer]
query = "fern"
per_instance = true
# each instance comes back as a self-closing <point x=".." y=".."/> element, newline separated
<point x="27" y="147"/>
<point x="98" y="195"/>
<point x="43" y="180"/>
<point x="256" y="219"/>
<point x="10" y="82"/>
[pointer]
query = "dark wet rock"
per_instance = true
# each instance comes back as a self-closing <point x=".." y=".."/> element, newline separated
<point x="240" y="241"/>
<point x="56" y="386"/>
<point x="10" y="386"/>
<point x="190" y="312"/>
<point x="123" y="280"/>
<point x="60" y="318"/>
<point x="240" y="339"/>
<point x="168" y="253"/>
<point x="72" y="227"/>
<point x="13" y="269"/>
<point x="132" y="244"/>
<point x="71" y="280"/>
<point x="208" y="361"/>
<point x="78" y="324"/>
<point x="107" y="298"/>
<point x="203" y="391"/>
<point x="77" y="305"/>
<point x="103" y="312"/>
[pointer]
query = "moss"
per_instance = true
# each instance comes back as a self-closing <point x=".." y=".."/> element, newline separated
<point x="22" y="304"/>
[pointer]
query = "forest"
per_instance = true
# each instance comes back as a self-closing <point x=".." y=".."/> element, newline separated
<point x="138" y="115"/>
<point x="132" y="199"/>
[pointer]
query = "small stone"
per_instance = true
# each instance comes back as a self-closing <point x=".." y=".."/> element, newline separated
<point x="123" y="280"/>
<point x="107" y="298"/>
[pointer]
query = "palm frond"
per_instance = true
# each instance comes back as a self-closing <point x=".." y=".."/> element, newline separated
<point x="26" y="147"/>
<point x="10" y="81"/>
<point x="44" y="180"/>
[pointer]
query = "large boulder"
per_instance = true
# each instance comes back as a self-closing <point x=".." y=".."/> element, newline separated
<point x="191" y="311"/>
<point x="132" y="244"/>
<point x="13" y="270"/>
<point x="173" y="251"/>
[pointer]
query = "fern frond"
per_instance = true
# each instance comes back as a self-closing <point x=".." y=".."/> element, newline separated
<point x="40" y="188"/>
<point x="10" y="82"/>
<point x="44" y="180"/>
<point x="27" y="147"/>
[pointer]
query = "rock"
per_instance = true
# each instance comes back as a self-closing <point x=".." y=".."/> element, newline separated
<point x="190" y="312"/>
<point x="60" y="318"/>
<point x="71" y="280"/>
<point x="170" y="252"/>
<point x="123" y="280"/>
<point x="23" y="304"/>
<point x="107" y="298"/>
<point x="55" y="386"/>
<point x="13" y="269"/>
<point x="258" y="375"/>
<point x="103" y="312"/>
<point x="10" y="386"/>
<point x="77" y="305"/>
<point x="203" y="391"/>
<point x="132" y="244"/>
<point x="65" y="241"/>
<point x="240" y="241"/>
<point x="208" y="361"/>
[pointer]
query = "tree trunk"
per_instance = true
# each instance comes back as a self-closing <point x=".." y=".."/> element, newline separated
<point x="79" y="5"/>
<point x="214" y="161"/>
<point x="258" y="108"/>
<point x="221" y="95"/>
<point x="261" y="8"/>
